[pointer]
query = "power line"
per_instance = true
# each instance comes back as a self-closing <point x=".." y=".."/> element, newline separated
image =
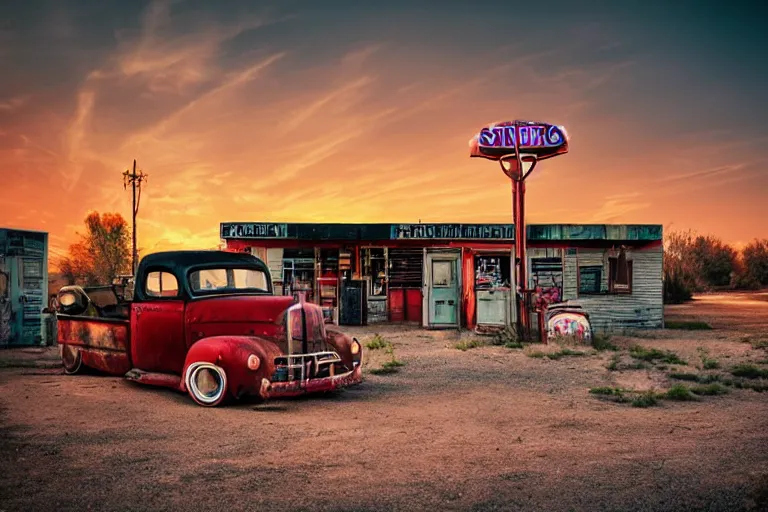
<point x="135" y="180"/>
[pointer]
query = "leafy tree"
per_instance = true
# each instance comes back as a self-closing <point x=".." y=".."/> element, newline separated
<point x="755" y="261"/>
<point x="101" y="254"/>
<point x="714" y="261"/>
<point x="696" y="263"/>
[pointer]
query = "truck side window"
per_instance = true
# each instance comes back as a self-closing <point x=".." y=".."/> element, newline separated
<point x="162" y="284"/>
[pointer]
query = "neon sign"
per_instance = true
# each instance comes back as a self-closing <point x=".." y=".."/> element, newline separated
<point x="503" y="139"/>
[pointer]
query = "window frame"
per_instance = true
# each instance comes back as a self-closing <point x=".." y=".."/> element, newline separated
<point x="202" y="292"/>
<point x="453" y="277"/>
<point x="161" y="270"/>
<point x="613" y="270"/>
<point x="599" y="291"/>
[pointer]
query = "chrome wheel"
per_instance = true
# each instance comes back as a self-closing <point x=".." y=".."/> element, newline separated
<point x="206" y="383"/>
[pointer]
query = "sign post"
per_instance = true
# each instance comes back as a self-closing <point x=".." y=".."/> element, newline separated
<point x="518" y="146"/>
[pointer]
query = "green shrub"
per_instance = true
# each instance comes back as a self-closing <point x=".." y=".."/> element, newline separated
<point x="466" y="345"/>
<point x="653" y="354"/>
<point x="679" y="392"/>
<point x="712" y="389"/>
<point x="376" y="343"/>
<point x="749" y="371"/>
<point x="645" y="399"/>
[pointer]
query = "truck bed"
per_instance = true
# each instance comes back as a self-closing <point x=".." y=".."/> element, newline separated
<point x="103" y="342"/>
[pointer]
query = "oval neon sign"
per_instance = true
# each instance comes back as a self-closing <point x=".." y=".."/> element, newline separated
<point x="499" y="140"/>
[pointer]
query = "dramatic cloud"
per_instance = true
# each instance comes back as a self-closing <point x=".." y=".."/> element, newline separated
<point x="241" y="113"/>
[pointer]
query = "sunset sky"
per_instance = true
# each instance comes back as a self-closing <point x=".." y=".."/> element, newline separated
<point x="360" y="111"/>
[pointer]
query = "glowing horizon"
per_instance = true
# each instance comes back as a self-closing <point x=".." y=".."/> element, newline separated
<point x="239" y="114"/>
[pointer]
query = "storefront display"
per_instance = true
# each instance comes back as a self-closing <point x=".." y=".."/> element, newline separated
<point x="493" y="289"/>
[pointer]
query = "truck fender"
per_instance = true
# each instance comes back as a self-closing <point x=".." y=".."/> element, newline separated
<point x="231" y="354"/>
<point x="343" y="344"/>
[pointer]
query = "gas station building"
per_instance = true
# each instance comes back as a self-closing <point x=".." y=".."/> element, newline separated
<point x="459" y="275"/>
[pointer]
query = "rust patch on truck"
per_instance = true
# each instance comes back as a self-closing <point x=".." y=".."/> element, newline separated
<point x="102" y="343"/>
<point x="98" y="334"/>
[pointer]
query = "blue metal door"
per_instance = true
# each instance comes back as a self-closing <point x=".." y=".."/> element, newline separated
<point x="443" y="289"/>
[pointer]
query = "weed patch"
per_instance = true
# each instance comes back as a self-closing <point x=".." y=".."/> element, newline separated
<point x="749" y="371"/>
<point x="377" y="342"/>
<point x="466" y="345"/>
<point x="646" y="399"/>
<point x="390" y="366"/>
<point x="692" y="377"/>
<point x="384" y="370"/>
<point x="652" y="355"/>
<point x="706" y="362"/>
<point x="679" y="392"/>
<point x="602" y="343"/>
<point x="563" y="352"/>
<point x="712" y="389"/>
<point x="618" y="395"/>
<point x="759" y="386"/>
<point x="609" y="391"/>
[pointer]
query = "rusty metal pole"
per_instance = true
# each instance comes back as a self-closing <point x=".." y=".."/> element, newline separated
<point x="521" y="255"/>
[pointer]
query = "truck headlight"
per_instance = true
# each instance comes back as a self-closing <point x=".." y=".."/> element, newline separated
<point x="355" y="347"/>
<point x="253" y="362"/>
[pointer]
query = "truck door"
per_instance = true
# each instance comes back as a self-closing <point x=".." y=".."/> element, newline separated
<point x="158" y="325"/>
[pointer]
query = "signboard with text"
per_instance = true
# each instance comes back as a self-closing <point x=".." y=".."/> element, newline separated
<point x="499" y="140"/>
<point x="254" y="230"/>
<point x="453" y="231"/>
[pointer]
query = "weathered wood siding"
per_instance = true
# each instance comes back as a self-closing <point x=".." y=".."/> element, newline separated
<point x="643" y="308"/>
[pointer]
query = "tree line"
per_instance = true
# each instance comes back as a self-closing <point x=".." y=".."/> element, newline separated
<point x="695" y="263"/>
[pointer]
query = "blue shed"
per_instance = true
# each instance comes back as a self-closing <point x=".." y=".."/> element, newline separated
<point x="23" y="286"/>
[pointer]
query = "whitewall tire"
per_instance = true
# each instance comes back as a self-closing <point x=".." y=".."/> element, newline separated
<point x="206" y="383"/>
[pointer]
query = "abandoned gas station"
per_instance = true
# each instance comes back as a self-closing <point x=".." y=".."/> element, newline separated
<point x="459" y="275"/>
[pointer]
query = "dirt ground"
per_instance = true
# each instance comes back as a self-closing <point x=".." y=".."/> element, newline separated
<point x="489" y="428"/>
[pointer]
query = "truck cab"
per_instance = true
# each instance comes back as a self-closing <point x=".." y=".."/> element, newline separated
<point x="206" y="323"/>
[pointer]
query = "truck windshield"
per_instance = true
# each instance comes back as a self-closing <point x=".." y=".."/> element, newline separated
<point x="228" y="280"/>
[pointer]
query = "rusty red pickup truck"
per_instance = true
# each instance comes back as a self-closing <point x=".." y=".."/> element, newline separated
<point x="206" y="323"/>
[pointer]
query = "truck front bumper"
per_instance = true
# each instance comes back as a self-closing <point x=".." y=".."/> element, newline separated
<point x="301" y="387"/>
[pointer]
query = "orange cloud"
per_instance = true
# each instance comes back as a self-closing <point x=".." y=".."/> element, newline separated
<point x="365" y="131"/>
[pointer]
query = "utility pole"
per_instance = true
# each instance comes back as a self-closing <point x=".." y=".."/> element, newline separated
<point x="134" y="179"/>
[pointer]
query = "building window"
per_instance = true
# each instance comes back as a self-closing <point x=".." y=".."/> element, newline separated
<point x="299" y="272"/>
<point x="590" y="277"/>
<point x="375" y="270"/>
<point x="619" y="275"/>
<point x="604" y="271"/>
<point x="442" y="274"/>
<point x="492" y="272"/>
